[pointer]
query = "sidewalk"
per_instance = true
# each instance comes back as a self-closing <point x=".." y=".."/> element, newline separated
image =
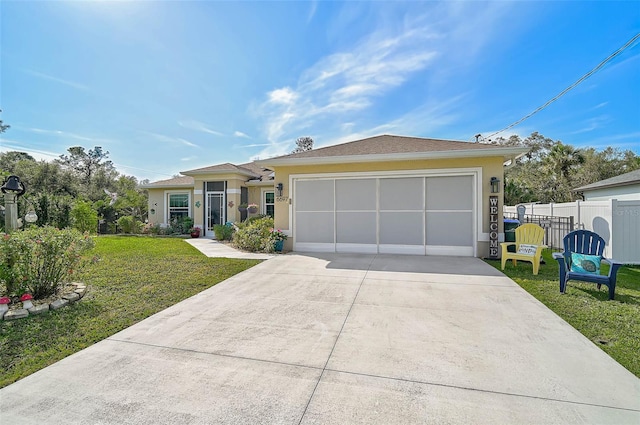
<point x="213" y="248"/>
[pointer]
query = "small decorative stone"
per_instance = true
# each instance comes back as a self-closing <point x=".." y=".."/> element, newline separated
<point x="71" y="297"/>
<point x="81" y="291"/>
<point x="39" y="309"/>
<point x="58" y="304"/>
<point x="20" y="313"/>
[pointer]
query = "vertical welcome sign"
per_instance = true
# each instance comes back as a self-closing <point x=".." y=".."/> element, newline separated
<point x="493" y="227"/>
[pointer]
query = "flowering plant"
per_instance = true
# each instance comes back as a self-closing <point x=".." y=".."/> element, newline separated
<point x="277" y="235"/>
<point x="252" y="206"/>
<point x="195" y="229"/>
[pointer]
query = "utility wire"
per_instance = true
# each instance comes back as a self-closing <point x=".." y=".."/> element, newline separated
<point x="563" y="92"/>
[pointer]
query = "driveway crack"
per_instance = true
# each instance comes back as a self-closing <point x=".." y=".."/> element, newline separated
<point x="324" y="368"/>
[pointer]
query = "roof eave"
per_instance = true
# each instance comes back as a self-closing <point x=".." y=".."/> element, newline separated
<point x="606" y="186"/>
<point x="507" y="153"/>
<point x="167" y="186"/>
<point x="215" y="172"/>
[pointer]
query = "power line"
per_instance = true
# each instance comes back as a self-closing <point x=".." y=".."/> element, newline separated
<point x="563" y="92"/>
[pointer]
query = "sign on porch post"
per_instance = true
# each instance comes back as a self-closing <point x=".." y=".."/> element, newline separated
<point x="493" y="227"/>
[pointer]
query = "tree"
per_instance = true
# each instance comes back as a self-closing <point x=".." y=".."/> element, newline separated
<point x="3" y="127"/>
<point x="303" y="144"/>
<point x="551" y="169"/>
<point x="8" y="160"/>
<point x="86" y="163"/>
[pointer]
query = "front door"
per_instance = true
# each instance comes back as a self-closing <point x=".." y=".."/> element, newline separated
<point x="215" y="211"/>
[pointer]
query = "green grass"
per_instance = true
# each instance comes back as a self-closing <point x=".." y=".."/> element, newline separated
<point x="614" y="326"/>
<point x="135" y="278"/>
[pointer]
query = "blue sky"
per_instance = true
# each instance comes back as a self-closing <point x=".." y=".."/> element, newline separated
<point x="176" y="85"/>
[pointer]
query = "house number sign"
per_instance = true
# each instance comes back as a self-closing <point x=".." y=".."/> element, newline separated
<point x="493" y="227"/>
<point x="282" y="199"/>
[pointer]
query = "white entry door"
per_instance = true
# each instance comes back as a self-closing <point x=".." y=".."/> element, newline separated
<point x="215" y="211"/>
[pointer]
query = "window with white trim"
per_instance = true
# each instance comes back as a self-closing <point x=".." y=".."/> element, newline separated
<point x="178" y="206"/>
<point x="269" y="203"/>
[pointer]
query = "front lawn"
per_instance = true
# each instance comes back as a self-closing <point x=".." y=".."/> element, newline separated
<point x="613" y="326"/>
<point x="135" y="278"/>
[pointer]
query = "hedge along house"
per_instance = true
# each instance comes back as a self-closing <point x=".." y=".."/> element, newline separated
<point x="393" y="194"/>
<point x="384" y="194"/>
<point x="211" y="195"/>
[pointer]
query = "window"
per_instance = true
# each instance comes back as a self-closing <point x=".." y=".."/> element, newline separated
<point x="178" y="206"/>
<point x="269" y="203"/>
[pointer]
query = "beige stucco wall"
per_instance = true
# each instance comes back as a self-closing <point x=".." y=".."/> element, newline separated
<point x="491" y="167"/>
<point x="158" y="201"/>
<point x="235" y="182"/>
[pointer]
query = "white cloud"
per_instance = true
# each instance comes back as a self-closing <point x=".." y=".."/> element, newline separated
<point x="169" y="139"/>
<point x="241" y="134"/>
<point x="7" y="145"/>
<point x="69" y="135"/>
<point x="199" y="126"/>
<point x="57" y="80"/>
<point x="344" y="92"/>
<point x="284" y="96"/>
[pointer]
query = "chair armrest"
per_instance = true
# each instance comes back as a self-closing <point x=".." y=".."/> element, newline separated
<point x="507" y="243"/>
<point x="558" y="256"/>
<point x="611" y="261"/>
<point x="613" y="270"/>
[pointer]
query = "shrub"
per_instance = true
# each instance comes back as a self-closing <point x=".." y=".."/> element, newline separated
<point x="223" y="232"/>
<point x="255" y="235"/>
<point x="129" y="224"/>
<point x="40" y="259"/>
<point x="84" y="217"/>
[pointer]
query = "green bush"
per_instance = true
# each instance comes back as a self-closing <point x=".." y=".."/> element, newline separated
<point x="223" y="232"/>
<point x="255" y="235"/>
<point x="84" y="218"/>
<point x="40" y="259"/>
<point x="129" y="224"/>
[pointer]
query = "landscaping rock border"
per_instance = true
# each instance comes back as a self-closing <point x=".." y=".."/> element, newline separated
<point x="68" y="297"/>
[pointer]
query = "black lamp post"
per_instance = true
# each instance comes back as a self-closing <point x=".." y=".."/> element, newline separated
<point x="12" y="188"/>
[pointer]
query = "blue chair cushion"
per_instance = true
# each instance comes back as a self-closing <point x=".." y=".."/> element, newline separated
<point x="583" y="263"/>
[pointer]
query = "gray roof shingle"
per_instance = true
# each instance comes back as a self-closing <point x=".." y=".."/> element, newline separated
<point x="621" y="180"/>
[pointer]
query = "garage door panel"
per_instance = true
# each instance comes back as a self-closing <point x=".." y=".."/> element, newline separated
<point x="404" y="215"/>
<point x="356" y="194"/>
<point x="450" y="228"/>
<point x="314" y="227"/>
<point x="402" y="228"/>
<point x="402" y="194"/>
<point x="356" y="227"/>
<point x="314" y="195"/>
<point x="449" y="193"/>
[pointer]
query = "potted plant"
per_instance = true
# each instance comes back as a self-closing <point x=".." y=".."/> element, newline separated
<point x="278" y="238"/>
<point x="195" y="232"/>
<point x="252" y="208"/>
<point x="242" y="207"/>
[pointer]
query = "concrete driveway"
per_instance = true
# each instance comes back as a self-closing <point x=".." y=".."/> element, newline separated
<point x="339" y="339"/>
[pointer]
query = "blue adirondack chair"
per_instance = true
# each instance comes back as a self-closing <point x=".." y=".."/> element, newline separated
<point x="583" y="251"/>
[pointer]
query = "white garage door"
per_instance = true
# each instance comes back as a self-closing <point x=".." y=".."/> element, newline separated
<point x="404" y="215"/>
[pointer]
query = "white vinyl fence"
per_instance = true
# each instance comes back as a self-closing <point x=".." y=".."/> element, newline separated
<point x="618" y="222"/>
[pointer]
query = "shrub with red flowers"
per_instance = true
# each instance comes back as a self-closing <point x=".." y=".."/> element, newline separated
<point x="38" y="260"/>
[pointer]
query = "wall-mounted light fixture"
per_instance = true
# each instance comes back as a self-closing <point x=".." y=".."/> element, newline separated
<point x="279" y="186"/>
<point x="495" y="185"/>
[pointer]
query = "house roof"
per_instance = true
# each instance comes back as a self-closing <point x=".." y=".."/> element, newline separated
<point x="225" y="168"/>
<point x="181" y="181"/>
<point x="390" y="147"/>
<point x="264" y="173"/>
<point x="632" y="177"/>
